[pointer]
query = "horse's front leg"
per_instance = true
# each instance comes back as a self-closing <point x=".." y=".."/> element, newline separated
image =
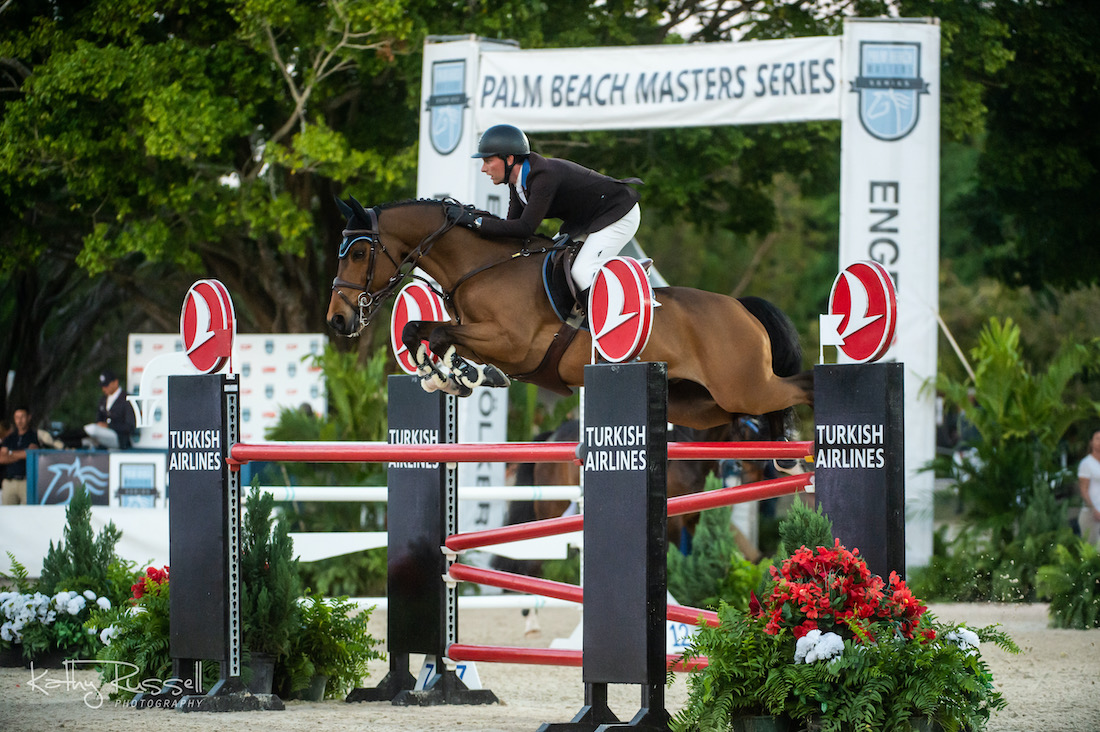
<point x="444" y="339"/>
<point x="434" y="376"/>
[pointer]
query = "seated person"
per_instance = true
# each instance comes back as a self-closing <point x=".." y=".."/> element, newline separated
<point x="115" y="421"/>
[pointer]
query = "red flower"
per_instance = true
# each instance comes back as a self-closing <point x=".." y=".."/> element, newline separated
<point x="152" y="574"/>
<point x="830" y="588"/>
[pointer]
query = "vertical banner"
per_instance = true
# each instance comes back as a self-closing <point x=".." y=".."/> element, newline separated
<point x="889" y="198"/>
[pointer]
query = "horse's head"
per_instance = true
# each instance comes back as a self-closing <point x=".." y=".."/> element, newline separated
<point x="368" y="272"/>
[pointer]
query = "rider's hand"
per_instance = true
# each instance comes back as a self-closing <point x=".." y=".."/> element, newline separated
<point x="464" y="216"/>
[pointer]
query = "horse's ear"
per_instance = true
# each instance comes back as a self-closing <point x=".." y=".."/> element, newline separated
<point x="359" y="211"/>
<point x="344" y="208"/>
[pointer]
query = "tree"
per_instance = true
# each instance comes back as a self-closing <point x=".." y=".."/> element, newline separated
<point x="1031" y="210"/>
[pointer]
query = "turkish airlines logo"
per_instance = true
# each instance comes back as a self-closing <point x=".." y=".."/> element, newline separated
<point x="863" y="305"/>
<point x="207" y="326"/>
<point x="620" y="309"/>
<point x="416" y="301"/>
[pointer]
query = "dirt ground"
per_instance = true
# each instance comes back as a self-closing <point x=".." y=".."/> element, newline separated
<point x="1050" y="687"/>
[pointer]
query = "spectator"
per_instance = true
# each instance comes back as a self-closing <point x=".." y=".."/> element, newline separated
<point x="13" y="456"/>
<point x="115" y="421"/>
<point x="1088" y="477"/>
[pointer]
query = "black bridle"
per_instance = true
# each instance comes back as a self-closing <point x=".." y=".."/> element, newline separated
<point x="368" y="301"/>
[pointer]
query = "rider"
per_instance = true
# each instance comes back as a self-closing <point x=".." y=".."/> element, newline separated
<point x="599" y="211"/>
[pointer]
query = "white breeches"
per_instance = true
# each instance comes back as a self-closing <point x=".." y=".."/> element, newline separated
<point x="602" y="245"/>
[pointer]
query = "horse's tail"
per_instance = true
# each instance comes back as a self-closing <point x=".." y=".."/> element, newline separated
<point x="786" y="354"/>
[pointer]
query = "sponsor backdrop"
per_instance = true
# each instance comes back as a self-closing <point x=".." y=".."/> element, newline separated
<point x="275" y="375"/>
<point x="880" y="78"/>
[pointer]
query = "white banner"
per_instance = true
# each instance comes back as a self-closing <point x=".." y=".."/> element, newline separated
<point x="889" y="194"/>
<point x="661" y="86"/>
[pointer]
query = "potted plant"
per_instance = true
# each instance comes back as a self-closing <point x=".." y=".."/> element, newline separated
<point x="44" y="620"/>
<point x="329" y="653"/>
<point x="835" y="648"/>
<point x="270" y="586"/>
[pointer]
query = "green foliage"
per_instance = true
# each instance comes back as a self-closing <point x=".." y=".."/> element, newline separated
<point x="332" y="640"/>
<point x="270" y="581"/>
<point x="715" y="571"/>
<point x="1072" y="582"/>
<point x="740" y="658"/>
<point x="136" y="634"/>
<point x="803" y="527"/>
<point x="975" y="568"/>
<point x="81" y="561"/>
<point x="1008" y="479"/>
<point x="138" y="637"/>
<point x="879" y="686"/>
<point x="1020" y="417"/>
<point x="19" y="577"/>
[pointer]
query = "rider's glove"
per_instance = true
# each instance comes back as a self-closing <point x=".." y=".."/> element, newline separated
<point x="464" y="215"/>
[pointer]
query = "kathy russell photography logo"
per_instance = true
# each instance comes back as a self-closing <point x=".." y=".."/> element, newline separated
<point x="121" y="676"/>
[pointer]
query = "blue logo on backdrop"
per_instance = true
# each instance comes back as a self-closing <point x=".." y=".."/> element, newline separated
<point x="889" y="88"/>
<point x="446" y="103"/>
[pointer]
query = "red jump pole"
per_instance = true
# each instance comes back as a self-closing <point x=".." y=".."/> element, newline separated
<point x="694" y="502"/>
<point x="511" y="452"/>
<point x="676" y="506"/>
<point x="561" y="591"/>
<point x="515" y="532"/>
<point x="545" y="656"/>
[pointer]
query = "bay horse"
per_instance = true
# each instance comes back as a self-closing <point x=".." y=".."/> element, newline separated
<point x="725" y="357"/>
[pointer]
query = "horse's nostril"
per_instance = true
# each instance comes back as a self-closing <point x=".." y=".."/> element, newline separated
<point x="337" y="322"/>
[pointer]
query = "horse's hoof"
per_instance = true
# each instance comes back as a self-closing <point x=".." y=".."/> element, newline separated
<point x="492" y="376"/>
<point x="458" y="388"/>
<point x="788" y="466"/>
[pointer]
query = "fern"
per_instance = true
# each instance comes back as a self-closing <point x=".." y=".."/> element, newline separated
<point x="19" y="578"/>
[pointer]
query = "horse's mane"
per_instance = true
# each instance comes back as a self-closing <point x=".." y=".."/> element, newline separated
<point x="513" y="243"/>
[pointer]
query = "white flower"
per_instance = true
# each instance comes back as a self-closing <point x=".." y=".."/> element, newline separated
<point x="104" y="603"/>
<point x="964" y="638"/>
<point x="89" y="594"/>
<point x="818" y="646"/>
<point x="107" y="634"/>
<point x="8" y="632"/>
<point x="62" y="598"/>
<point x="75" y="605"/>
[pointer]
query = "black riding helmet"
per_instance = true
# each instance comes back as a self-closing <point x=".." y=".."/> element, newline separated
<point x="502" y="141"/>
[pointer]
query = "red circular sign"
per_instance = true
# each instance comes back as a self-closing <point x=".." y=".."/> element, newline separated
<point x="207" y="325"/>
<point x="416" y="301"/>
<point x="620" y="309"/>
<point x="864" y="295"/>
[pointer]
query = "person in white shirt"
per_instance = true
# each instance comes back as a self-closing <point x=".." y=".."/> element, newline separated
<point x="1088" y="476"/>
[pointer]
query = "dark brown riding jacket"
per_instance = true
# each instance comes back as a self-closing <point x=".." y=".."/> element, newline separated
<point x="583" y="199"/>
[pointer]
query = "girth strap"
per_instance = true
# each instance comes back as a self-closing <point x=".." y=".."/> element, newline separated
<point x="546" y="373"/>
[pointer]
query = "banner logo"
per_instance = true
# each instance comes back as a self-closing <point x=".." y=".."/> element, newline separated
<point x="865" y="303"/>
<point x="207" y="325"/>
<point x="620" y="309"/>
<point x="889" y="88"/>
<point x="446" y="103"/>
<point x="416" y="301"/>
